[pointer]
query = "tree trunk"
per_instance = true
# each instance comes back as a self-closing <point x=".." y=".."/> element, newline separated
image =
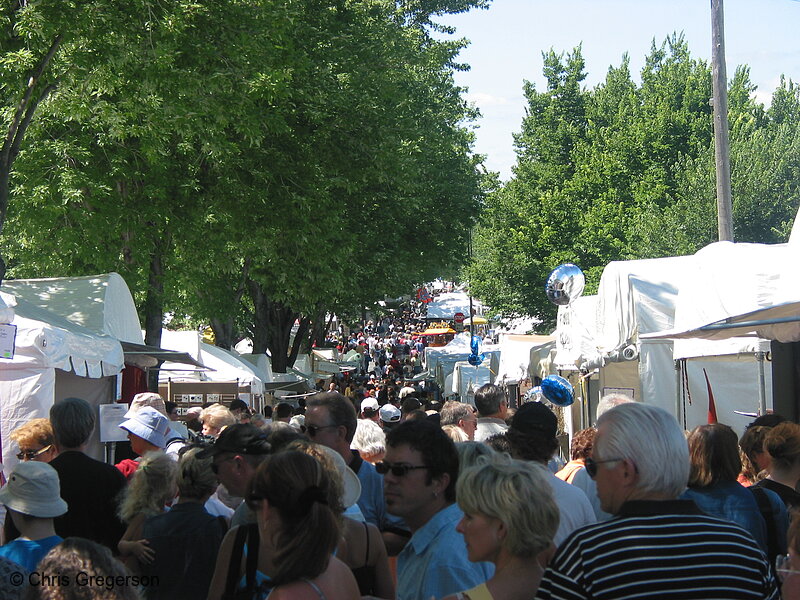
<point x="300" y="338"/>
<point x="26" y="108"/>
<point x="224" y="332"/>
<point x="225" y="328"/>
<point x="260" y="332"/>
<point x="273" y="323"/>
<point x="154" y="305"/>
<point x="318" y="331"/>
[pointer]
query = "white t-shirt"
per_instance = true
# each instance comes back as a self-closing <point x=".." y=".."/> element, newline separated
<point x="574" y="507"/>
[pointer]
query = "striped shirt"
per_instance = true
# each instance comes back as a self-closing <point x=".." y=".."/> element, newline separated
<point x="659" y="549"/>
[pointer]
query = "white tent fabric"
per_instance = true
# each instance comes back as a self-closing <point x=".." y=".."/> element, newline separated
<point x="261" y="364"/>
<point x="226" y="365"/>
<point x="780" y="323"/>
<point x="467" y="378"/>
<point x="47" y="341"/>
<point x="440" y="361"/>
<point x="737" y="281"/>
<point x="47" y="345"/>
<point x="100" y="303"/>
<point x="576" y="334"/>
<point x="635" y="297"/>
<point x="445" y="306"/>
<point x="641" y="297"/>
<point x="518" y="354"/>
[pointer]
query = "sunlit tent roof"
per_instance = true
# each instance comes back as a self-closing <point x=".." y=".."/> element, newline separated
<point x="438" y="331"/>
<point x="223" y="365"/>
<point x="47" y="340"/>
<point x="520" y="356"/>
<point x="736" y="290"/>
<point x="446" y="306"/>
<point x="100" y="303"/>
<point x="780" y="323"/>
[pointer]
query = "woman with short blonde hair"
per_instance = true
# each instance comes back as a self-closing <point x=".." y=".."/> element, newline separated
<point x="215" y="418"/>
<point x="510" y="519"/>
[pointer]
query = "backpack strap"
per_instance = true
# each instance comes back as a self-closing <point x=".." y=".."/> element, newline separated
<point x="231" y="579"/>
<point x="765" y="508"/>
<point x="366" y="558"/>
<point x="252" y="556"/>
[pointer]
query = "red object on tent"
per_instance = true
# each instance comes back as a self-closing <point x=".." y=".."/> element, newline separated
<point x="423" y="295"/>
<point x="712" y="407"/>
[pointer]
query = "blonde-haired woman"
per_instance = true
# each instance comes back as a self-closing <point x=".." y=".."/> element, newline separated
<point x="510" y="519"/>
<point x="35" y="440"/>
<point x="151" y="487"/>
<point x="215" y="418"/>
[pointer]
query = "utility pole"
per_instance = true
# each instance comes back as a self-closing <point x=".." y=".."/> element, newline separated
<point x="719" y="103"/>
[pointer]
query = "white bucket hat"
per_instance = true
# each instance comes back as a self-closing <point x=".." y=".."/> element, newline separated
<point x="148" y="424"/>
<point x="146" y="399"/>
<point x="33" y="489"/>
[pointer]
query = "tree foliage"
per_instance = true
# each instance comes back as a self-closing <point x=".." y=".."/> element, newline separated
<point x="251" y="162"/>
<point x="626" y="170"/>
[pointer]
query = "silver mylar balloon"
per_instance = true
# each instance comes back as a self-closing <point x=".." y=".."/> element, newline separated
<point x="565" y="284"/>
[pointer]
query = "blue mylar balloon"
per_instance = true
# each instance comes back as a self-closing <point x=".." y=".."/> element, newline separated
<point x="558" y="390"/>
<point x="475" y="358"/>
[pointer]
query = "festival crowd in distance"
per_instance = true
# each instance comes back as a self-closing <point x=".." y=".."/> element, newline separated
<point x="374" y="488"/>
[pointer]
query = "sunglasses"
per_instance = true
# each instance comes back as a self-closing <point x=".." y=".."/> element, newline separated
<point x="591" y="465"/>
<point x="31" y="454"/>
<point x="397" y="469"/>
<point x="312" y="430"/>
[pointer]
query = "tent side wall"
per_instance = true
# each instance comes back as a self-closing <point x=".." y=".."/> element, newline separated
<point x="25" y="394"/>
<point x="95" y="392"/>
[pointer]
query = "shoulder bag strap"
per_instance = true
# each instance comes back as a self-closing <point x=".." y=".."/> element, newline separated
<point x="366" y="557"/>
<point x="232" y="577"/>
<point x="252" y="556"/>
<point x="765" y="508"/>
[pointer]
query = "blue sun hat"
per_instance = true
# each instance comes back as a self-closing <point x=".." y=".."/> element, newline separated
<point x="558" y="390"/>
<point x="148" y="424"/>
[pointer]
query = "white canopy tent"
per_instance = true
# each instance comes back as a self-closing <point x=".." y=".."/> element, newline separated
<point x="607" y="333"/>
<point x="737" y="284"/>
<point x="445" y="306"/>
<point x="522" y="356"/>
<point x="223" y="365"/>
<point x="440" y="361"/>
<point x="53" y="359"/>
<point x="100" y="303"/>
<point x="467" y="378"/>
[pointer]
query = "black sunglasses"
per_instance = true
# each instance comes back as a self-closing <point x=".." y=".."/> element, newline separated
<point x="30" y="455"/>
<point x="397" y="469"/>
<point x="591" y="465"/>
<point x="312" y="430"/>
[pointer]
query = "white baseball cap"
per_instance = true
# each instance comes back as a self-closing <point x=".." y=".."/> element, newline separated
<point x="369" y="404"/>
<point x="390" y="413"/>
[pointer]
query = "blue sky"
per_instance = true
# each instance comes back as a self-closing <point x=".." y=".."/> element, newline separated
<point x="507" y="41"/>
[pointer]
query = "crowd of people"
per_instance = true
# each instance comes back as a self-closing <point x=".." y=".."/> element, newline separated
<point x="377" y="490"/>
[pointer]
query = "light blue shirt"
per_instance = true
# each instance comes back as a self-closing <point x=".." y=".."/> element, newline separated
<point x="583" y="481"/>
<point x="434" y="562"/>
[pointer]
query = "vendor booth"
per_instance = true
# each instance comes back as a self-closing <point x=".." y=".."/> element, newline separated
<point x="619" y="340"/>
<point x="46" y="358"/>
